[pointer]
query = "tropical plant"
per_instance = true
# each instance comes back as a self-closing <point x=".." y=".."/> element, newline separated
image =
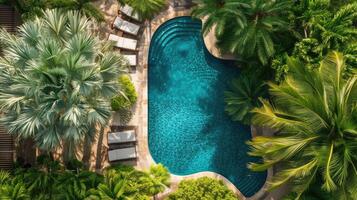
<point x="114" y="187"/>
<point x="244" y="96"/>
<point x="245" y="28"/>
<point x="314" y="113"/>
<point x="127" y="97"/>
<point x="57" y="80"/>
<point x="324" y="28"/>
<point x="14" y="191"/>
<point x="146" y="9"/>
<point x="29" y="9"/>
<point x="202" y="188"/>
<point x="218" y="14"/>
<point x="336" y="30"/>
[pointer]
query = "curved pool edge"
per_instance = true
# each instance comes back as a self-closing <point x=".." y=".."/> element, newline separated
<point x="145" y="158"/>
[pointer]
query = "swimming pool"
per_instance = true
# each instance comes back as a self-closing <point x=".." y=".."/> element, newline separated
<point x="189" y="131"/>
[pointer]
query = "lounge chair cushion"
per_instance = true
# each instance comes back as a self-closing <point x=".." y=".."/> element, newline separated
<point x="129" y="11"/>
<point x="126" y="26"/>
<point x="122" y="154"/>
<point x="131" y="59"/>
<point x="124" y="43"/>
<point x="121" y="137"/>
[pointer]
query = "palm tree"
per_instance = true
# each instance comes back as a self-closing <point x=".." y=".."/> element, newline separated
<point x="245" y="28"/>
<point x="114" y="187"/>
<point x="244" y="96"/>
<point x="160" y="178"/>
<point x="314" y="113"/>
<point x="146" y="9"/>
<point x="264" y="19"/>
<point x="57" y="80"/>
<point x="218" y="13"/>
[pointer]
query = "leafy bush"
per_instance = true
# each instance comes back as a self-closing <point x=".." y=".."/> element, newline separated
<point x="204" y="188"/>
<point x="51" y="180"/>
<point x="29" y="9"/>
<point x="127" y="99"/>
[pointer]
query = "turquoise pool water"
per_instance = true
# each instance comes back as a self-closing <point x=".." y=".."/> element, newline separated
<point x="189" y="131"/>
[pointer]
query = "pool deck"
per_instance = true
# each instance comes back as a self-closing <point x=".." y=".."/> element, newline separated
<point x="140" y="80"/>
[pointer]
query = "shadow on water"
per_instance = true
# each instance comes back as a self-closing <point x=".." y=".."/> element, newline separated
<point x="189" y="131"/>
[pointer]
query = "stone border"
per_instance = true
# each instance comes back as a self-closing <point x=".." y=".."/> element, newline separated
<point x="145" y="159"/>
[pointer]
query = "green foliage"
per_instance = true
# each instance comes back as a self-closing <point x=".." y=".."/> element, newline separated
<point x="146" y="9"/>
<point x="202" y="189"/>
<point x="324" y="27"/>
<point x="57" y="80"/>
<point x="51" y="181"/>
<point x="126" y="182"/>
<point x="244" y="96"/>
<point x="314" y="112"/>
<point x="11" y="189"/>
<point x="29" y="9"/>
<point x="246" y="28"/>
<point x="127" y="98"/>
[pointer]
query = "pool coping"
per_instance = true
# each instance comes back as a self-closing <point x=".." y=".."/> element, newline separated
<point x="145" y="159"/>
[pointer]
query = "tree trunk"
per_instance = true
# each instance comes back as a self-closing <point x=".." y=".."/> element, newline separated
<point x="67" y="152"/>
<point x="87" y="150"/>
<point x="98" y="162"/>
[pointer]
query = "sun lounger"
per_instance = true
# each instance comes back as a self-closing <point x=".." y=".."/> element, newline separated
<point x="131" y="59"/>
<point x="126" y="26"/>
<point x="122" y="137"/>
<point x="124" y="43"/>
<point x="129" y="11"/>
<point x="122" y="154"/>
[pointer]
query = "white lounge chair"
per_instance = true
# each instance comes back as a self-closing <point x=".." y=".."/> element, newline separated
<point x="131" y="59"/>
<point x="124" y="43"/>
<point x="129" y="11"/>
<point x="126" y="26"/>
<point x="122" y="154"/>
<point x="122" y="137"/>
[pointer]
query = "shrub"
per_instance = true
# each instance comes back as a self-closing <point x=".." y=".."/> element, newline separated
<point x="202" y="189"/>
<point x="127" y="99"/>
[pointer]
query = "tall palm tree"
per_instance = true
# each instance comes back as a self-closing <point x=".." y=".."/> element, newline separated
<point x="314" y="113"/>
<point x="57" y="80"/>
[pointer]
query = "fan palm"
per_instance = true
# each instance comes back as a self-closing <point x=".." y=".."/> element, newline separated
<point x="57" y="80"/>
<point x="314" y="113"/>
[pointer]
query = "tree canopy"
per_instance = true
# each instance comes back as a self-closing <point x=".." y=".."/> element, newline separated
<point x="314" y="112"/>
<point x="57" y="80"/>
